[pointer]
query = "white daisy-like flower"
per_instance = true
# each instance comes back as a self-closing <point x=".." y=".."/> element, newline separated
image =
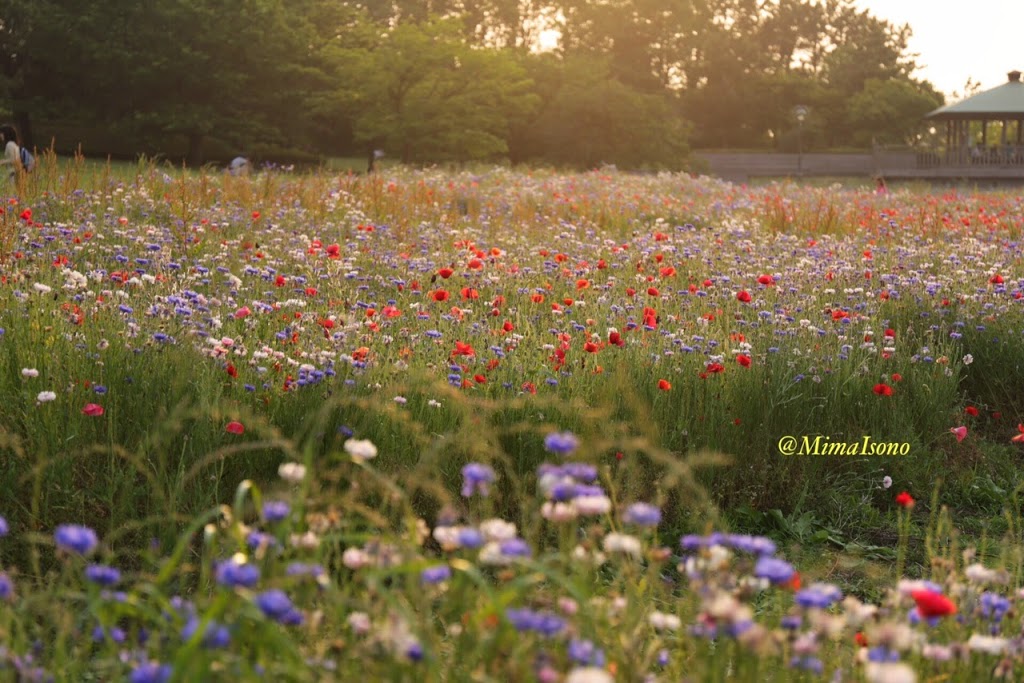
<point x="46" y="396"/>
<point x="361" y="450"/>
<point x="29" y="372"/>
<point x="292" y="472"/>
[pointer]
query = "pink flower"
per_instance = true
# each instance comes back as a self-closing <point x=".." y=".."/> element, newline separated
<point x="234" y="428"/>
<point x="242" y="312"/>
<point x="959" y="432"/>
<point x="92" y="409"/>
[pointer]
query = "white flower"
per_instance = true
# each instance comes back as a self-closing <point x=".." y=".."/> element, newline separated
<point x="886" y="482"/>
<point x="890" y="672"/>
<point x="29" y="372"/>
<point x="359" y="622"/>
<point x="558" y="512"/>
<point x="978" y="573"/>
<point x="592" y="505"/>
<point x="41" y="288"/>
<point x="497" y="529"/>
<point x="589" y="674"/>
<point x="354" y="558"/>
<point x="622" y="543"/>
<point x="361" y="450"/>
<point x="968" y="359"/>
<point x="292" y="472"/>
<point x="434" y="404"/>
<point x="987" y="644"/>
<point x="46" y="396"/>
<point x="664" y="622"/>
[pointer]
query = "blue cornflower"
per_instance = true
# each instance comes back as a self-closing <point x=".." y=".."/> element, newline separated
<point x="102" y="574"/>
<point x="4" y="529"/>
<point x="436" y="574"/>
<point x="584" y="652"/>
<point x="231" y="573"/>
<point x="773" y="569"/>
<point x="214" y="636"/>
<point x="151" y="672"/>
<point x="642" y="514"/>
<point x="477" y="478"/>
<point x="545" y="623"/>
<point x="6" y="587"/>
<point x="470" y="537"/>
<point x="275" y="510"/>
<point x="807" y="663"/>
<point x="819" y="595"/>
<point x="515" y="547"/>
<point x="561" y="443"/>
<point x="276" y="604"/>
<point x="74" y="538"/>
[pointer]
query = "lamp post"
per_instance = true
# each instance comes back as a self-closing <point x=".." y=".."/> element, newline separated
<point x="800" y="112"/>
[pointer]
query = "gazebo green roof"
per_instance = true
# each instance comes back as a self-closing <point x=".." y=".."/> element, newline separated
<point x="1003" y="102"/>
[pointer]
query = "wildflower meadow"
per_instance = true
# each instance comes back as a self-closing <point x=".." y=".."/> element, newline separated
<point x="507" y="425"/>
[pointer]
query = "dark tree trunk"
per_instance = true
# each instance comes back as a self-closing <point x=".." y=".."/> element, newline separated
<point x="195" y="150"/>
<point x="23" y="122"/>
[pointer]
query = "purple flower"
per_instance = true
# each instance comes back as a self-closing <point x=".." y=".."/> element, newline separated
<point x="561" y="443"/>
<point x="102" y="574"/>
<point x="545" y="623"/>
<point x="6" y="587"/>
<point x="515" y="547"/>
<point x="275" y="510"/>
<point x="436" y="574"/>
<point x="215" y="635"/>
<point x="471" y="538"/>
<point x="819" y="595"/>
<point x="773" y="569"/>
<point x="231" y="573"/>
<point x="642" y="514"/>
<point x="477" y="478"/>
<point x="4" y="529"/>
<point x="151" y="672"/>
<point x="74" y="538"/>
<point x="278" y="606"/>
<point x="585" y="653"/>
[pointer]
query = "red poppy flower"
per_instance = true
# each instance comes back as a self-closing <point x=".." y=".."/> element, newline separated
<point x="889" y="332"/>
<point x="971" y="410"/>
<point x="255" y="215"/>
<point x="883" y="389"/>
<point x="959" y="432"/>
<point x="996" y="279"/>
<point x="445" y="273"/>
<point x="860" y="639"/>
<point x="230" y="369"/>
<point x="591" y="347"/>
<point x="652" y="291"/>
<point x="766" y="280"/>
<point x="931" y="604"/>
<point x="92" y="409"/>
<point x="234" y="428"/>
<point x="664" y="385"/>
<point x="26" y="215"/>
<point x="439" y="295"/>
<point x="743" y="296"/>
<point x="508" y="326"/>
<point x="897" y="377"/>
<point x="279" y="281"/>
<point x="743" y="360"/>
<point x="1019" y="438"/>
<point x="469" y="293"/>
<point x="616" y="338"/>
<point x="905" y="500"/>
<point x="463" y="349"/>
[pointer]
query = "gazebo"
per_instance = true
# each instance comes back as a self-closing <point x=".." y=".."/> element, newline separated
<point x="965" y="148"/>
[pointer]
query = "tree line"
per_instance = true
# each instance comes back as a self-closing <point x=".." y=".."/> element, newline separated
<point x="635" y="83"/>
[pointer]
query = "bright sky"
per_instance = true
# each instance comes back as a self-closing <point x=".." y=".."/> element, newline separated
<point x="956" y="39"/>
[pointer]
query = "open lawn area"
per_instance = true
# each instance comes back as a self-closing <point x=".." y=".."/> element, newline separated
<point x="506" y="425"/>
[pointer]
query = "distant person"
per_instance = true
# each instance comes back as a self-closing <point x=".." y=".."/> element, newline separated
<point x="880" y="187"/>
<point x="375" y="155"/>
<point x="239" y="166"/>
<point x="12" y="150"/>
